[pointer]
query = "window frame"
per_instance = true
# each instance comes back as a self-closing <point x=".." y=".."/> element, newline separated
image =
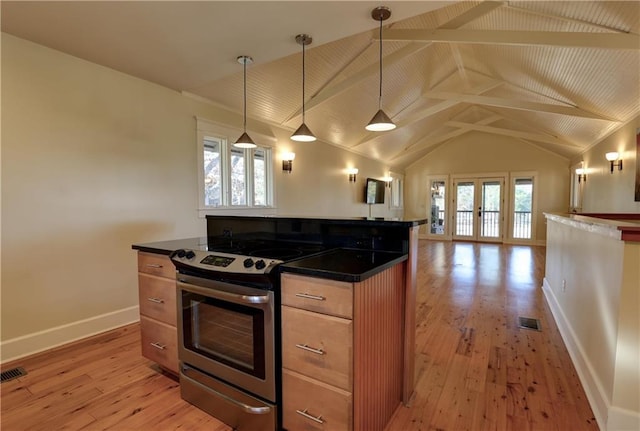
<point x="207" y="130"/>
<point x="396" y="190"/>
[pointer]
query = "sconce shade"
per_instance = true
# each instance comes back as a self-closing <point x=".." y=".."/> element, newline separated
<point x="244" y="141"/>
<point x="612" y="156"/>
<point x="380" y="122"/>
<point x="303" y="134"/>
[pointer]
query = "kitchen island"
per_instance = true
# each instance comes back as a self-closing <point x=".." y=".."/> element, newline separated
<point x="373" y="263"/>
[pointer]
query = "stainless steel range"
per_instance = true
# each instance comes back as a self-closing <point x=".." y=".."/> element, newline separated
<point x="229" y="330"/>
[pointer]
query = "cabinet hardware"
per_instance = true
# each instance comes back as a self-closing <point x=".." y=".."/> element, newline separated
<point x="308" y="416"/>
<point x="158" y="345"/>
<point x="310" y="349"/>
<point x="154" y="265"/>
<point x="308" y="296"/>
<point x="156" y="300"/>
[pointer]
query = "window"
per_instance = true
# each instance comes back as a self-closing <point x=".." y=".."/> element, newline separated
<point x="522" y="207"/>
<point x="397" y="187"/>
<point x="232" y="177"/>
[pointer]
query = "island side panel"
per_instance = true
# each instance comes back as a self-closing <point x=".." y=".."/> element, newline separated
<point x="378" y="348"/>
<point x="410" y="280"/>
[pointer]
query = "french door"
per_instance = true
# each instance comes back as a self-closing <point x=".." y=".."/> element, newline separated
<point x="478" y="205"/>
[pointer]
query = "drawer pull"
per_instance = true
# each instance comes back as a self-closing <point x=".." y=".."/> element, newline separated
<point x="308" y="416"/>
<point x="156" y="300"/>
<point x="310" y="349"/>
<point x="158" y="346"/>
<point x="154" y="265"/>
<point x="308" y="296"/>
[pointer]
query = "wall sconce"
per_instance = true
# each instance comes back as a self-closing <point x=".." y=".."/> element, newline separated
<point x="387" y="180"/>
<point x="352" y="174"/>
<point x="287" y="162"/>
<point x="612" y="157"/>
<point x="582" y="175"/>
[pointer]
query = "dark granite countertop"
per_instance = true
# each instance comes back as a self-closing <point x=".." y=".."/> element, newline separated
<point x="361" y="221"/>
<point x="348" y="265"/>
<point x="166" y="247"/>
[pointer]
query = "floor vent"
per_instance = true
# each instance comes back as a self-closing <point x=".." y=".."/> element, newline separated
<point x="13" y="373"/>
<point x="529" y="323"/>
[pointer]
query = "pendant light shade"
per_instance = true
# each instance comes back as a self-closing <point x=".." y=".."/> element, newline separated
<point x="303" y="134"/>
<point x="244" y="141"/>
<point x="381" y="121"/>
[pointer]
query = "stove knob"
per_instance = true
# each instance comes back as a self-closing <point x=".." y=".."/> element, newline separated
<point x="180" y="253"/>
<point x="260" y="264"/>
<point x="248" y="262"/>
<point x="189" y="254"/>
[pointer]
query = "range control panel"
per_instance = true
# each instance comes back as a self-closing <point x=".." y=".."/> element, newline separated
<point x="224" y="262"/>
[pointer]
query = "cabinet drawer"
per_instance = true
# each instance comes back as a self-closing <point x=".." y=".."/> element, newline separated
<point x="157" y="298"/>
<point x="324" y="296"/>
<point x="305" y="398"/>
<point x="159" y="343"/>
<point x="318" y="345"/>
<point x="156" y="264"/>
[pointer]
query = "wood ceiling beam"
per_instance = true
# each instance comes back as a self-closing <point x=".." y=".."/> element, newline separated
<point x="513" y="37"/>
<point x="421" y="114"/>
<point x="518" y="104"/>
<point x="512" y="133"/>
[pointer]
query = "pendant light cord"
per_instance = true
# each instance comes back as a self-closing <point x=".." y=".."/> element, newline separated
<point x="303" y="75"/>
<point x="380" y="93"/>
<point x="244" y="107"/>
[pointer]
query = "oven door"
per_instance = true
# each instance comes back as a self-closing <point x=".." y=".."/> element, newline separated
<point x="227" y="331"/>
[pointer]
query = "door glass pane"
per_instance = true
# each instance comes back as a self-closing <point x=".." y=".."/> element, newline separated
<point x="238" y="183"/>
<point x="490" y="223"/>
<point x="438" y="200"/>
<point x="464" y="208"/>
<point x="259" y="177"/>
<point x="522" y="208"/>
<point x="212" y="173"/>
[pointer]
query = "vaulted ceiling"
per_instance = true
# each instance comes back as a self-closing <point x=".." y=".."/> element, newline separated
<point x="558" y="75"/>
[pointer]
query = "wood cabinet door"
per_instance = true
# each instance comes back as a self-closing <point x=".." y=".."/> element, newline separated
<point x="318" y="345"/>
<point x="159" y="343"/>
<point x="156" y="264"/>
<point x="157" y="298"/>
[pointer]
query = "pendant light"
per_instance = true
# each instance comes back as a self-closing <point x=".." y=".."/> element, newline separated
<point x="245" y="141"/>
<point x="381" y="121"/>
<point x="303" y="134"/>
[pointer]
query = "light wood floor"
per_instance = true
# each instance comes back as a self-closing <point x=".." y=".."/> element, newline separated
<point x="476" y="370"/>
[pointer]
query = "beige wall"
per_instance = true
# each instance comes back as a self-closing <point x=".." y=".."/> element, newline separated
<point x="480" y="153"/>
<point x="606" y="192"/>
<point x="93" y="161"/>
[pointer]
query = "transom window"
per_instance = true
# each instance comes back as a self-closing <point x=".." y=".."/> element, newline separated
<point x="232" y="177"/>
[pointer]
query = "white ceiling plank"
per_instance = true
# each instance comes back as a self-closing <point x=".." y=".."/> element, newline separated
<point x="511" y="132"/>
<point x="331" y="91"/>
<point x="513" y="37"/>
<point x="518" y="104"/>
<point x="472" y="14"/>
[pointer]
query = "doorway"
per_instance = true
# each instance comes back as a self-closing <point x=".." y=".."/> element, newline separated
<point x="478" y="204"/>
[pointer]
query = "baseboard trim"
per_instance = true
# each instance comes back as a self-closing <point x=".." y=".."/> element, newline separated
<point x="36" y="342"/>
<point x="590" y="382"/>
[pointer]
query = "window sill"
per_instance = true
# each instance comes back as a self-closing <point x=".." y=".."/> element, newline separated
<point x="246" y="211"/>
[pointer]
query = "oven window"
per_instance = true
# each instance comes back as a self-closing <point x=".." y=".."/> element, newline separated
<point x="225" y="332"/>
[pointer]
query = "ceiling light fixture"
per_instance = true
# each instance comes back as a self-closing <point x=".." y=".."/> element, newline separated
<point x="381" y="121"/>
<point x="245" y="141"/>
<point x="303" y="134"/>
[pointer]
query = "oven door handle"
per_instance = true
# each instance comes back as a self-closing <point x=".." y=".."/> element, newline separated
<point x="262" y="410"/>
<point x="225" y="296"/>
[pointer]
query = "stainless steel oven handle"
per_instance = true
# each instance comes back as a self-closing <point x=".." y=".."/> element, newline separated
<point x="262" y="410"/>
<point x="221" y="294"/>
